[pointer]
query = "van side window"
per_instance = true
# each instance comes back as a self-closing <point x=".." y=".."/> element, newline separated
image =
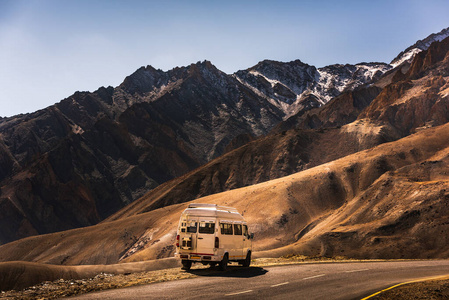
<point x="207" y="227"/>
<point x="245" y="229"/>
<point x="238" y="229"/>
<point x="191" y="227"/>
<point x="226" y="228"/>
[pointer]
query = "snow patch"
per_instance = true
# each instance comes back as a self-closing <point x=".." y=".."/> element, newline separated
<point x="408" y="56"/>
<point x="273" y="82"/>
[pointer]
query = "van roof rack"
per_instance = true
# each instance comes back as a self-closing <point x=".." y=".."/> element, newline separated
<point x="217" y="207"/>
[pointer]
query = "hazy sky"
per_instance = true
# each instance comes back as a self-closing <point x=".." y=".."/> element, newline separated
<point x="50" y="49"/>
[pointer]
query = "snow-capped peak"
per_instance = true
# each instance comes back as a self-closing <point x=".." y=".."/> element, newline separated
<point x="421" y="45"/>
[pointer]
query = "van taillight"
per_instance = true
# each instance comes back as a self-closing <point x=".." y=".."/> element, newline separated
<point x="217" y="242"/>
<point x="177" y="240"/>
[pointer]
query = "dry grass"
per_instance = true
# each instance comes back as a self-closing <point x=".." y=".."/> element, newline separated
<point x="66" y="288"/>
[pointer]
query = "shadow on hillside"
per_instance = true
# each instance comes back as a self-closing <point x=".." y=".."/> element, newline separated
<point x="232" y="271"/>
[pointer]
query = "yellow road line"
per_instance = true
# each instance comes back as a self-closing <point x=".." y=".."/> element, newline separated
<point x="408" y="282"/>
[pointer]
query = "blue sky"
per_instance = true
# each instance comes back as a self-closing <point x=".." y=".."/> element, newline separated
<point x="51" y="48"/>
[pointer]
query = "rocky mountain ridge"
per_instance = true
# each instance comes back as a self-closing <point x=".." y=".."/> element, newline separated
<point x="297" y="87"/>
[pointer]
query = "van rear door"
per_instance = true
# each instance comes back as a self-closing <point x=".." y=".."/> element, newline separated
<point x="206" y="236"/>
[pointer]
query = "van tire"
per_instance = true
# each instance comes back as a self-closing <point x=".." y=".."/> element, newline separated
<point x="224" y="263"/>
<point x="247" y="260"/>
<point x="186" y="264"/>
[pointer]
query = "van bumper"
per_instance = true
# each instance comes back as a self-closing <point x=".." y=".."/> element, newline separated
<point x="200" y="257"/>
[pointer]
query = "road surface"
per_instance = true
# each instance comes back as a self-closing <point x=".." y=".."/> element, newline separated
<point x="353" y="280"/>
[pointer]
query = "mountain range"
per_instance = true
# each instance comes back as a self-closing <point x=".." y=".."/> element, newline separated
<point x="164" y="138"/>
<point x="75" y="163"/>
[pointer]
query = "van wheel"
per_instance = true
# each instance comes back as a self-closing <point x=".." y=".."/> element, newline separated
<point x="224" y="263"/>
<point x="186" y="264"/>
<point x="247" y="260"/>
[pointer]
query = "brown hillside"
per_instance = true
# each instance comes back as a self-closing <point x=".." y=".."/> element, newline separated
<point x="369" y="204"/>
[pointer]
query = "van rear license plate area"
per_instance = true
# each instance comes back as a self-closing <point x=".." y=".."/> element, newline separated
<point x="195" y="257"/>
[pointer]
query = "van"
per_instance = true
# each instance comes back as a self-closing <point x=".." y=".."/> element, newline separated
<point x="213" y="234"/>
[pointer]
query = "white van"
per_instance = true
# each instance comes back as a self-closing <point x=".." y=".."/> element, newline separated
<point x="213" y="234"/>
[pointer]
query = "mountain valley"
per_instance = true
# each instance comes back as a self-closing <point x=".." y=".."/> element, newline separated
<point x="358" y="170"/>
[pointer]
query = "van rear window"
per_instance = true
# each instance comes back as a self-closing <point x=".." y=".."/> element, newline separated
<point x="207" y="227"/>
<point x="226" y="228"/>
<point x="191" y="227"/>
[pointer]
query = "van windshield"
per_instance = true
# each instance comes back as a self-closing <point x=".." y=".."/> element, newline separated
<point x="207" y="227"/>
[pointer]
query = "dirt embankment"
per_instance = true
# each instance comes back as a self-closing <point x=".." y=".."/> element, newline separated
<point x="429" y="289"/>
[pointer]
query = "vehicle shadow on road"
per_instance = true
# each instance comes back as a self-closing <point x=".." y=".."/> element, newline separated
<point x="232" y="271"/>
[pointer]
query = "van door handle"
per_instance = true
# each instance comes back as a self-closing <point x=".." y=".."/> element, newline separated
<point x="200" y="238"/>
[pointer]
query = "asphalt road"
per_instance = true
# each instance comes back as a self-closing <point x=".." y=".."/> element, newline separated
<point x="305" y="281"/>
